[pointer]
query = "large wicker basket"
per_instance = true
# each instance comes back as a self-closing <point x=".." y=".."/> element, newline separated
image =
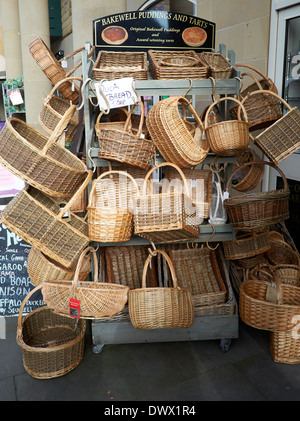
<point x="171" y="135"/>
<point x="53" y="69"/>
<point x="250" y="211"/>
<point x="281" y="139"/>
<point x="40" y="160"/>
<point x="160" y="307"/>
<point x="165" y="217"/>
<point x="52" y="345"/>
<point x="40" y="221"/>
<point x="227" y="138"/>
<point x="98" y="300"/>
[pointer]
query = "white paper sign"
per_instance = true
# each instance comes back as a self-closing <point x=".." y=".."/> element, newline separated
<point x="16" y="97"/>
<point x="118" y="93"/>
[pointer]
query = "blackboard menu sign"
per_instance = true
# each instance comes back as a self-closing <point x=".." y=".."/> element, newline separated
<point x="15" y="283"/>
<point x="153" y="29"/>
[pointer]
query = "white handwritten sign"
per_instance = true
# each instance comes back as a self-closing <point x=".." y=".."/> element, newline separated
<point x="115" y="93"/>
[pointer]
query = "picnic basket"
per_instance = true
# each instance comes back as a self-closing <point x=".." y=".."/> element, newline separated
<point x="53" y="69"/>
<point x="116" y="65"/>
<point x="165" y="217"/>
<point x="160" y="307"/>
<point x="40" y="267"/>
<point x="122" y="145"/>
<point x="52" y="345"/>
<point x="219" y="66"/>
<point x="227" y="138"/>
<point x="54" y="108"/>
<point x="40" y="160"/>
<point x="249" y="211"/>
<point x="281" y="139"/>
<point x="40" y="221"/>
<point x="249" y="177"/>
<point x="109" y="215"/>
<point x="98" y="300"/>
<point x="171" y="135"/>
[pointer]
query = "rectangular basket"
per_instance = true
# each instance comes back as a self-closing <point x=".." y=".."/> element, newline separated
<point x="158" y="71"/>
<point x="219" y="67"/>
<point x="114" y="65"/>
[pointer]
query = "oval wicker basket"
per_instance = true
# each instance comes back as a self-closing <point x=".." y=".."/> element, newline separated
<point x="160" y="307"/>
<point x="246" y="245"/>
<point x="98" y="300"/>
<point x="250" y="177"/>
<point x="52" y="345"/>
<point x="250" y="211"/>
<point x="40" y="160"/>
<point x="171" y="135"/>
<point x="281" y="252"/>
<point x="227" y="138"/>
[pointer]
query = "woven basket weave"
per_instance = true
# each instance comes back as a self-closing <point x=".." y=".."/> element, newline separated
<point x="160" y="307"/>
<point x="52" y="345"/>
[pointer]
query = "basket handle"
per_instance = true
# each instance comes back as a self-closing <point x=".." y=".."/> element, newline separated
<point x="192" y="110"/>
<point x="254" y="78"/>
<point x="274" y="279"/>
<point x="78" y="267"/>
<point x="80" y="62"/>
<point x="169" y="262"/>
<point x="48" y="97"/>
<point x="102" y="112"/>
<point x="164" y="164"/>
<point x="76" y="195"/>
<point x="248" y="66"/>
<point x="241" y="106"/>
<point x="53" y="138"/>
<point x="19" y="329"/>
<point x="286" y="186"/>
<point x="95" y="182"/>
<point x="128" y="120"/>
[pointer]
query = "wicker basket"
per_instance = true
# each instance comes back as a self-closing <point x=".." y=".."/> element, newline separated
<point x="39" y="160"/>
<point x="54" y="108"/>
<point x="285" y="346"/>
<point x="227" y="138"/>
<point x="201" y="188"/>
<point x="120" y="144"/>
<point x="246" y="245"/>
<point x="39" y="220"/>
<point x="171" y="135"/>
<point x="281" y="139"/>
<point x="197" y="269"/>
<point x="114" y="65"/>
<point x="160" y="307"/>
<point x="250" y="177"/>
<point x="219" y="67"/>
<point x="98" y="300"/>
<point x="109" y="213"/>
<point x="52" y="345"/>
<point x="40" y="267"/>
<point x="250" y="211"/>
<point x="257" y="311"/>
<point x="281" y="252"/>
<point x="53" y="69"/>
<point x="162" y="65"/>
<point x="263" y="83"/>
<point x="165" y="217"/>
<point x="288" y="274"/>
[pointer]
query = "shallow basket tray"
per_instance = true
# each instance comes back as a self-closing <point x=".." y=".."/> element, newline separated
<point x="246" y="245"/>
<point x="40" y="160"/>
<point x="219" y="67"/>
<point x="116" y="65"/>
<point x="52" y="345"/>
<point x="39" y="220"/>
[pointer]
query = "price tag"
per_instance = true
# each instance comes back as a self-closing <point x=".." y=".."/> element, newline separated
<point x="118" y="93"/>
<point x="74" y="308"/>
<point x="15" y="97"/>
<point x="64" y="63"/>
<point x="225" y="195"/>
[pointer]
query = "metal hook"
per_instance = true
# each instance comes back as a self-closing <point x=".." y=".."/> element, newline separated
<point x="190" y="87"/>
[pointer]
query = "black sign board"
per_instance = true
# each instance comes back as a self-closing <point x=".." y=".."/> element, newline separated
<point x="15" y="283"/>
<point x="154" y="29"/>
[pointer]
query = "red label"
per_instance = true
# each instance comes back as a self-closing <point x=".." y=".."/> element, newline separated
<point x="74" y="308"/>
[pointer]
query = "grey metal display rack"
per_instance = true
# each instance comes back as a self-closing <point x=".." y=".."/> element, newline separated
<point x="223" y="327"/>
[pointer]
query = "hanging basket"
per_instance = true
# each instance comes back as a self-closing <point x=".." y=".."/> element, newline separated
<point x="52" y="345"/>
<point x="40" y="221"/>
<point x="250" y="211"/>
<point x="219" y="67"/>
<point x="227" y="138"/>
<point x="40" y="160"/>
<point x="54" y="108"/>
<point x="160" y="307"/>
<point x="257" y="309"/>
<point x="165" y="217"/>
<point x="53" y="69"/>
<point x="281" y="139"/>
<point x="251" y="176"/>
<point x="171" y="135"/>
<point x="246" y="245"/>
<point x="40" y="267"/>
<point x="109" y="216"/>
<point x="120" y="144"/>
<point x="97" y="300"/>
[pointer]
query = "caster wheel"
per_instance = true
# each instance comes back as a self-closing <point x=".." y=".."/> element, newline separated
<point x="225" y="344"/>
<point x="96" y="349"/>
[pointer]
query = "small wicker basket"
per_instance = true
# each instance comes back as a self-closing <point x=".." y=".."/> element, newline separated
<point x="219" y="67"/>
<point x="250" y="177"/>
